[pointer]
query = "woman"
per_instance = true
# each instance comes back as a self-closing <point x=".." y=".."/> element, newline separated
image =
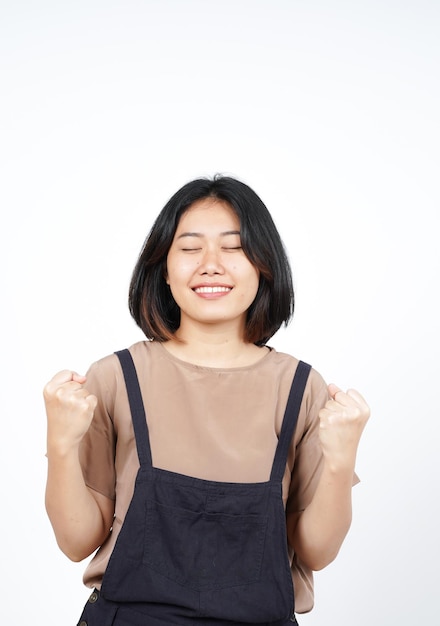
<point x="211" y="473"/>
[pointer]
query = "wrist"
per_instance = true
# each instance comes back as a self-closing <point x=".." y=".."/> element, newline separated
<point x="61" y="448"/>
<point x="340" y="467"/>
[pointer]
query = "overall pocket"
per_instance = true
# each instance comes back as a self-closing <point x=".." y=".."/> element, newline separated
<point x="204" y="550"/>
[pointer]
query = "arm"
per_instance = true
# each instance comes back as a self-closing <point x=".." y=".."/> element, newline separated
<point x="321" y="528"/>
<point x="81" y="518"/>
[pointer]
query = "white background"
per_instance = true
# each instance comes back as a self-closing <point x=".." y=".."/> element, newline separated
<point x="330" y="111"/>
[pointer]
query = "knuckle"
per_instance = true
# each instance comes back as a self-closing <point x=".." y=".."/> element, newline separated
<point x="47" y="391"/>
<point x="59" y="393"/>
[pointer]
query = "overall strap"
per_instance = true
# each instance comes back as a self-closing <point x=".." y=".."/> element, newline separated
<point x="289" y="421"/>
<point x="137" y="407"/>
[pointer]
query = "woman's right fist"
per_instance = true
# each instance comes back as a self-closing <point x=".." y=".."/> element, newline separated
<point x="69" y="409"/>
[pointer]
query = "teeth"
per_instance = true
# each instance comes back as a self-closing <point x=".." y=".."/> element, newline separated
<point x="212" y="289"/>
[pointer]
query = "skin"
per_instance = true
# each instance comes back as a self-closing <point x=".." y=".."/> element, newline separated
<point x="81" y="518"/>
<point x="317" y="533"/>
<point x="206" y="254"/>
<point x="214" y="284"/>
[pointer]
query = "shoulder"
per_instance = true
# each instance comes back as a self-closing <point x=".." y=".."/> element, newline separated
<point x="105" y="376"/>
<point x="286" y="364"/>
<point x="110" y="364"/>
<point x="280" y="369"/>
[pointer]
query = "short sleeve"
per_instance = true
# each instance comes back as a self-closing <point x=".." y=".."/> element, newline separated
<point x="308" y="453"/>
<point x="304" y="481"/>
<point x="305" y="477"/>
<point x="97" y="449"/>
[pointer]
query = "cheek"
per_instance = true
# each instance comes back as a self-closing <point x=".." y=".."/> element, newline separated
<point x="181" y="270"/>
<point x="255" y="275"/>
<point x="252" y="282"/>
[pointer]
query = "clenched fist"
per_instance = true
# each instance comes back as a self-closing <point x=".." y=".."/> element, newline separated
<point x="69" y="408"/>
<point x="342" y="421"/>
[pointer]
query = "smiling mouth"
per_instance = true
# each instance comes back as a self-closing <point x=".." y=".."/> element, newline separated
<point x="212" y="289"/>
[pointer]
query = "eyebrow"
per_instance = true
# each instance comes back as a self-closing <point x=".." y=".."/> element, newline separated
<point x="223" y="234"/>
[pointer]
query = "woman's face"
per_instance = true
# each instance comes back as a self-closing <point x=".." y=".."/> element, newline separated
<point x="210" y="277"/>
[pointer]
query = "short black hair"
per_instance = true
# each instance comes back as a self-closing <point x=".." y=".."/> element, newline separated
<point x="151" y="303"/>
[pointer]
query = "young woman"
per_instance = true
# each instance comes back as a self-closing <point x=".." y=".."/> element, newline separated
<point x="211" y="473"/>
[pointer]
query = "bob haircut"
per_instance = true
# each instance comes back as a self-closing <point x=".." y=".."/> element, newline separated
<point x="150" y="301"/>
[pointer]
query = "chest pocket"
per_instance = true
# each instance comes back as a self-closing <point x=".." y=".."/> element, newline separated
<point x="202" y="536"/>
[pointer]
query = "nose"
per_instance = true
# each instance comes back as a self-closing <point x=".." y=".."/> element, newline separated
<point x="211" y="263"/>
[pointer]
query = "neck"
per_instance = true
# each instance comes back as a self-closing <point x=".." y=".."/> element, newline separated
<point x="213" y="349"/>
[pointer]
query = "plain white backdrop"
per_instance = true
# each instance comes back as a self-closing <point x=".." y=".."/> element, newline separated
<point x="330" y="111"/>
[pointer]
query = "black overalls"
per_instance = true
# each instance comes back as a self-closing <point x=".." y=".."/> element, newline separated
<point x="199" y="552"/>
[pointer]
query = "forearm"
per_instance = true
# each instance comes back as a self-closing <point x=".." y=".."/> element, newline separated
<point x="320" y="529"/>
<point x="77" y="520"/>
<point x="323" y="525"/>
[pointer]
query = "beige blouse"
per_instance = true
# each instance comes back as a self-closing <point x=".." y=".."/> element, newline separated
<point x="210" y="423"/>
